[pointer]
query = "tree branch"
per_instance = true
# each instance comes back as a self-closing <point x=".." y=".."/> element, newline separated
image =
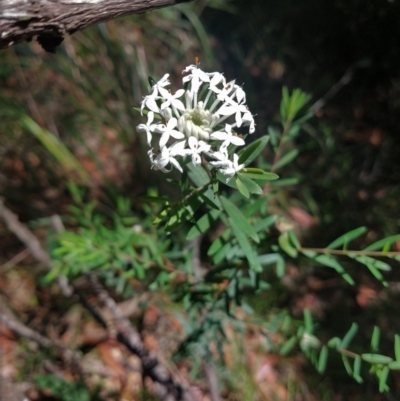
<point x="51" y="20"/>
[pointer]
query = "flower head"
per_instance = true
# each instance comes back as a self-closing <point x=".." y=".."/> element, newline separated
<point x="198" y="121"/>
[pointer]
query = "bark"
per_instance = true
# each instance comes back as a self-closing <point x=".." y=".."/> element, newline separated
<point x="51" y="20"/>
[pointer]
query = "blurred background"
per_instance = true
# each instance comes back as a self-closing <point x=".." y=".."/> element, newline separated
<point x="69" y="117"/>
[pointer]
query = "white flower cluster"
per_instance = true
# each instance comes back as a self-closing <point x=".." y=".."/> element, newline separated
<point x="196" y="126"/>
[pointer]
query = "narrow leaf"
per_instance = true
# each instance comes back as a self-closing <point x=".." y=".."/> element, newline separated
<point x="251" y="186"/>
<point x="245" y="246"/>
<point x="375" y="359"/>
<point x="258" y="174"/>
<point x="344" y="239"/>
<point x="240" y="221"/>
<point x="349" y="336"/>
<point x="397" y="347"/>
<point x="357" y="370"/>
<point x="286" y="159"/>
<point x="308" y="321"/>
<point x="285" y="244"/>
<point x="241" y="187"/>
<point x="323" y="358"/>
<point x="383" y="387"/>
<point x="203" y="224"/>
<point x="288" y="346"/>
<point x="379" y="245"/>
<point x="375" y="339"/>
<point x="251" y="151"/>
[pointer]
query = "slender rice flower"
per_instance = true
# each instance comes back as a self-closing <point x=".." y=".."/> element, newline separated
<point x="167" y="131"/>
<point x="197" y="123"/>
<point x="196" y="148"/>
<point x="147" y="128"/>
<point x="232" y="168"/>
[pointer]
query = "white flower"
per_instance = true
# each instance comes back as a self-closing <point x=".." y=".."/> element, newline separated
<point x="240" y="94"/>
<point x="249" y="120"/>
<point x="196" y="148"/>
<point x="233" y="168"/>
<point x="167" y="131"/>
<point x="166" y="113"/>
<point x="172" y="100"/>
<point x="168" y="155"/>
<point x="147" y="128"/>
<point x="221" y="158"/>
<point x="222" y="94"/>
<point x="228" y="137"/>
<point x="228" y="110"/>
<point x="150" y="102"/>
<point x="189" y="119"/>
<point x="197" y="77"/>
<point x="162" y="83"/>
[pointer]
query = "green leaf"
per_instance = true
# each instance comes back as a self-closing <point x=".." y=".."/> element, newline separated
<point x="240" y="221"/>
<point x="376" y="359"/>
<point x="263" y="224"/>
<point x="258" y="174"/>
<point x="286" y="159"/>
<point x="322" y="360"/>
<point x="245" y="246"/>
<point x="251" y="186"/>
<point x="347" y="366"/>
<point x="397" y="347"/>
<point x="251" y="151"/>
<point x="288" y="346"/>
<point x="198" y="175"/>
<point x="344" y="239"/>
<point x="357" y="370"/>
<point x="292" y="104"/>
<point x="241" y="187"/>
<point x="55" y="147"/>
<point x="308" y="321"/>
<point x="347" y="339"/>
<point x="286" y="245"/>
<point x="329" y="261"/>
<point x="203" y="224"/>
<point x="375" y="338"/>
<point x="394" y="365"/>
<point x="334" y="342"/>
<point x="274" y="134"/>
<point x="372" y="266"/>
<point x="285" y="182"/>
<point x="383" y="387"/>
<point x="379" y="245"/>
<point x="294" y="239"/>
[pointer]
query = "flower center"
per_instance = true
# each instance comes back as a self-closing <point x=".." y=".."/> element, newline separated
<point x="197" y="117"/>
<point x="196" y="122"/>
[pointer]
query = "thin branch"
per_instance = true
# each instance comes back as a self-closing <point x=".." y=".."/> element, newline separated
<point x="211" y="376"/>
<point x="10" y="321"/>
<point x="27" y="237"/>
<point x="127" y="335"/>
<point x="343" y="81"/>
<point x="279" y="151"/>
<point x="51" y="20"/>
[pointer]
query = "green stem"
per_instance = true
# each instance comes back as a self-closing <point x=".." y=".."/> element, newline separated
<point x="281" y="144"/>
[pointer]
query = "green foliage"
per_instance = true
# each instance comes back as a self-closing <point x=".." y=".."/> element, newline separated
<point x="248" y="255"/>
<point x="116" y="246"/>
<point x="62" y="389"/>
